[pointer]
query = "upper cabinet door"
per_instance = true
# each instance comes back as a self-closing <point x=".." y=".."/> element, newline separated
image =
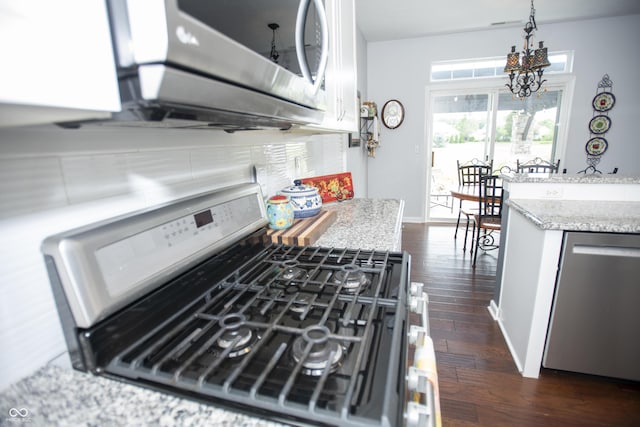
<point x="58" y="62"/>
<point x="340" y="82"/>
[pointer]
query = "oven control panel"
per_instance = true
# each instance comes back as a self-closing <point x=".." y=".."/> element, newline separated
<point x="102" y="267"/>
<point x="133" y="259"/>
<point x="210" y="223"/>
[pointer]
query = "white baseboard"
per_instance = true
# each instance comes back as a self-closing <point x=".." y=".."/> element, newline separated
<point x="494" y="310"/>
<point x="516" y="360"/>
<point x="413" y="219"/>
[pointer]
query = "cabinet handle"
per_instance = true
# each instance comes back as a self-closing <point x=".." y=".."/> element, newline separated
<point x="618" y="251"/>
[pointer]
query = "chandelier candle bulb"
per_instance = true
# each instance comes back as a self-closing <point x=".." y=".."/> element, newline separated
<point x="513" y="60"/>
<point x="541" y="57"/>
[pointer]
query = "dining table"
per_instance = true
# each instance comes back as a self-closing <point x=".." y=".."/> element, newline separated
<point x="466" y="192"/>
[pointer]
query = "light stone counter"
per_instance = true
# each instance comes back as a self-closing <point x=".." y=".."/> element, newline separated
<point x="56" y="396"/>
<point x="570" y="179"/>
<point x="365" y="224"/>
<point x="580" y="215"/>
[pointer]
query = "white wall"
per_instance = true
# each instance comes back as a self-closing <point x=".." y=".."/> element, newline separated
<point x="400" y="69"/>
<point x="53" y="180"/>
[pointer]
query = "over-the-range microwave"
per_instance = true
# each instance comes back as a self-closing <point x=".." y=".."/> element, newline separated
<point x="235" y="64"/>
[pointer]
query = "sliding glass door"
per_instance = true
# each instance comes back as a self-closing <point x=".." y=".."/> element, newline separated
<point x="460" y="130"/>
<point x="487" y="125"/>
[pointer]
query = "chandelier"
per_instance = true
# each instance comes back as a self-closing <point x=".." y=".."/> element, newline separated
<point x="525" y="73"/>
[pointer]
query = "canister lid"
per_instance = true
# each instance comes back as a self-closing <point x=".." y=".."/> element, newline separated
<point x="278" y="199"/>
<point x="300" y="189"/>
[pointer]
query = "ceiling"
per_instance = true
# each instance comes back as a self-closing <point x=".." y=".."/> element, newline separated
<point x="381" y="20"/>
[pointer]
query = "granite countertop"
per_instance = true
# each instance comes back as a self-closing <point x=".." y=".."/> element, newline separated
<point x="365" y="224"/>
<point x="569" y="178"/>
<point x="58" y="396"/>
<point x="580" y="215"/>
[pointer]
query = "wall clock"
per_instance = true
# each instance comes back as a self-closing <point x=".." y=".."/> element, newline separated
<point x="392" y="114"/>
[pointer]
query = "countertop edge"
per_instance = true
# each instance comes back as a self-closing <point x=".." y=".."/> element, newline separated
<point x="570" y="178"/>
<point x="580" y="215"/>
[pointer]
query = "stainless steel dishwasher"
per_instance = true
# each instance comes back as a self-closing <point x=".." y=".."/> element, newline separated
<point x="595" y="318"/>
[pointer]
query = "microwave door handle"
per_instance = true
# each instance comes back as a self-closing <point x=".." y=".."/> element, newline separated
<point x="303" y="9"/>
<point x="324" y="55"/>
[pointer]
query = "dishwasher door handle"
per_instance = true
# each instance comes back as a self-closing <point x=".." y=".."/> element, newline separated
<point x="618" y="251"/>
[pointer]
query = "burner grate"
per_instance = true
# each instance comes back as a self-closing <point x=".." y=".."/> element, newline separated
<point x="301" y="343"/>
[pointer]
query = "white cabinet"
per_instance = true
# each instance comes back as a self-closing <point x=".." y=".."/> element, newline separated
<point x="57" y="62"/>
<point x="340" y="81"/>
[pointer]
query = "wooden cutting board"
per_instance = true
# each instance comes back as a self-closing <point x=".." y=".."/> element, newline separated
<point x="304" y="231"/>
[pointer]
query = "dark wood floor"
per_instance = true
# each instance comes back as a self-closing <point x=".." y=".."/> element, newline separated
<point x="479" y="382"/>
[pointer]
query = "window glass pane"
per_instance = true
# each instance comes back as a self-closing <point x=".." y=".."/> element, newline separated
<point x="555" y="67"/>
<point x="526" y="129"/>
<point x="441" y="75"/>
<point x="485" y="72"/>
<point x="462" y="74"/>
<point x="459" y="133"/>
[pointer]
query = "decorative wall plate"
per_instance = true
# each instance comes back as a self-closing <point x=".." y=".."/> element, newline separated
<point x="596" y="146"/>
<point x="604" y="101"/>
<point x="599" y="124"/>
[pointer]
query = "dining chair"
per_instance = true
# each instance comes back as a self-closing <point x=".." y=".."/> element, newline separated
<point x="488" y="218"/>
<point x="469" y="175"/>
<point x="537" y="165"/>
<point x="505" y="169"/>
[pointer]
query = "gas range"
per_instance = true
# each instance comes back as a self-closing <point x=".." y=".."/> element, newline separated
<point x="192" y="298"/>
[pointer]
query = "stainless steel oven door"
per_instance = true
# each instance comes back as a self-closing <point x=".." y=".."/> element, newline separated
<point x="230" y="41"/>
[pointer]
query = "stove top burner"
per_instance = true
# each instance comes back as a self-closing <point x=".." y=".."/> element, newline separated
<point x="318" y="349"/>
<point x="352" y="279"/>
<point x="292" y="271"/>
<point x="238" y="338"/>
<point x="301" y="303"/>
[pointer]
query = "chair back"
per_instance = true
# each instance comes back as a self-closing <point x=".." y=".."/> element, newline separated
<point x="490" y="202"/>
<point x="537" y="165"/>
<point x="470" y="173"/>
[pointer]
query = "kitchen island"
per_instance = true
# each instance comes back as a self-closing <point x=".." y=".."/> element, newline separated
<point x="540" y="211"/>
<point x="58" y="395"/>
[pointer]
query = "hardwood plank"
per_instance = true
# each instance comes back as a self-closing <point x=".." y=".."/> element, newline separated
<point x="478" y="380"/>
<point x="463" y="411"/>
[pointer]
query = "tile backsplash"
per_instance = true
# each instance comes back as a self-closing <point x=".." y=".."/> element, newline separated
<point x="54" y="179"/>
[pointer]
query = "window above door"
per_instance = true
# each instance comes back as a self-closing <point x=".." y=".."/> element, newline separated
<point x="561" y="62"/>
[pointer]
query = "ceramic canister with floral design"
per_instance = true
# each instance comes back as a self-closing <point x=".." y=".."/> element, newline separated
<point x="280" y="212"/>
<point x="305" y="199"/>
